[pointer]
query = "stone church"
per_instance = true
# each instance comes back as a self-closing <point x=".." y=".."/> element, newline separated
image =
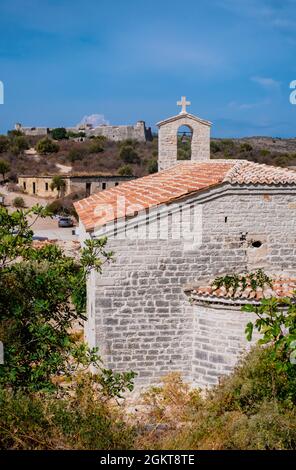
<point x="153" y="310"/>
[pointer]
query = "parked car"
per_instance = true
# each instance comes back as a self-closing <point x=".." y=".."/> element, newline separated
<point x="65" y="222"/>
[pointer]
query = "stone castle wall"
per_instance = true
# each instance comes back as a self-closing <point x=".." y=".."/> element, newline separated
<point x="116" y="133"/>
<point x="140" y="317"/>
<point x="137" y="132"/>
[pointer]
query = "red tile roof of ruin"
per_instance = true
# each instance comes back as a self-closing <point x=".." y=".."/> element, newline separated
<point x="178" y="181"/>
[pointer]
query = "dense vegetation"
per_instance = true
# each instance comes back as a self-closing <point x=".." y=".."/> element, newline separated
<point x="128" y="157"/>
<point x="271" y="151"/>
<point x="254" y="408"/>
<point x="97" y="155"/>
<point x="49" y="400"/>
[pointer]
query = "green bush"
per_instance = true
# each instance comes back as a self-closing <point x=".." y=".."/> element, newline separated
<point x="125" y="170"/>
<point x="129" y="155"/>
<point x="99" y="138"/>
<point x="64" y="205"/>
<point x="227" y="143"/>
<point x="184" y="154"/>
<point x="46" y="145"/>
<point x="18" y="144"/>
<point x="4" y="168"/>
<point x="264" y="152"/>
<point x="96" y="146"/>
<point x="245" y="147"/>
<point x="4" y="143"/>
<point x="215" y="147"/>
<point x="153" y="166"/>
<point x="75" y="135"/>
<point x="18" y="202"/>
<point x="281" y="160"/>
<point x="59" y="133"/>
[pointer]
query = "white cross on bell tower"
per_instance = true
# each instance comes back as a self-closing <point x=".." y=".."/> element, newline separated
<point x="183" y="103"/>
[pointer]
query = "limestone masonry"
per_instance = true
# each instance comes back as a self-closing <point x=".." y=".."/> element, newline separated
<point x="86" y="184"/>
<point x="182" y="227"/>
<point x="139" y="131"/>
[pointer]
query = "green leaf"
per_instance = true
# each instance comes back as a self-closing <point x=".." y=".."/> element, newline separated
<point x="249" y="331"/>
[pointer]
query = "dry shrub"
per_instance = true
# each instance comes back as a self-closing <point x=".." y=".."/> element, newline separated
<point x="81" y="419"/>
<point x="254" y="408"/>
<point x="171" y="403"/>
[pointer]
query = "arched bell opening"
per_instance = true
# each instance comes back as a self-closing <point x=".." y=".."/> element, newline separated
<point x="184" y="139"/>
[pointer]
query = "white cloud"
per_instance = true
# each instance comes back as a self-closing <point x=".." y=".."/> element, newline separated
<point x="278" y="15"/>
<point x="95" y="120"/>
<point x="266" y="82"/>
<point x="246" y="106"/>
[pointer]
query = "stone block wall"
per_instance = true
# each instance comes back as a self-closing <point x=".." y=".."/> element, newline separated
<point x="168" y="140"/>
<point x="139" y="316"/>
<point x="40" y="185"/>
<point x="117" y="133"/>
<point x="219" y="341"/>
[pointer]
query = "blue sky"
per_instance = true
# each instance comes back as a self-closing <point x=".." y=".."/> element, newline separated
<point x="61" y="60"/>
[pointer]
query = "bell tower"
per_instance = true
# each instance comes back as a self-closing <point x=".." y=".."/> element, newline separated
<point x="168" y="137"/>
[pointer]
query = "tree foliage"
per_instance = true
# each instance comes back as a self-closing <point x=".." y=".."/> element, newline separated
<point x="129" y="155"/>
<point x="59" y="184"/>
<point x="125" y="170"/>
<point x="276" y="322"/>
<point x="152" y="166"/>
<point x="18" y="144"/>
<point x="42" y="292"/>
<point x="46" y="145"/>
<point x="4" y="168"/>
<point x="4" y="143"/>
<point x="59" y="133"/>
<point x="275" y="317"/>
<point x="96" y="145"/>
<point x="18" y="202"/>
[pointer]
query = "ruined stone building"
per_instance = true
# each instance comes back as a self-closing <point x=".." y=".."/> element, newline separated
<point x="83" y="183"/>
<point x="153" y="310"/>
<point x="32" y="131"/>
<point x="138" y="131"/>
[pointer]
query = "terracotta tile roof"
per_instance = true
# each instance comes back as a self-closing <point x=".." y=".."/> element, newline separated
<point x="173" y="183"/>
<point x="281" y="287"/>
<point x="245" y="172"/>
<point x="152" y="190"/>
